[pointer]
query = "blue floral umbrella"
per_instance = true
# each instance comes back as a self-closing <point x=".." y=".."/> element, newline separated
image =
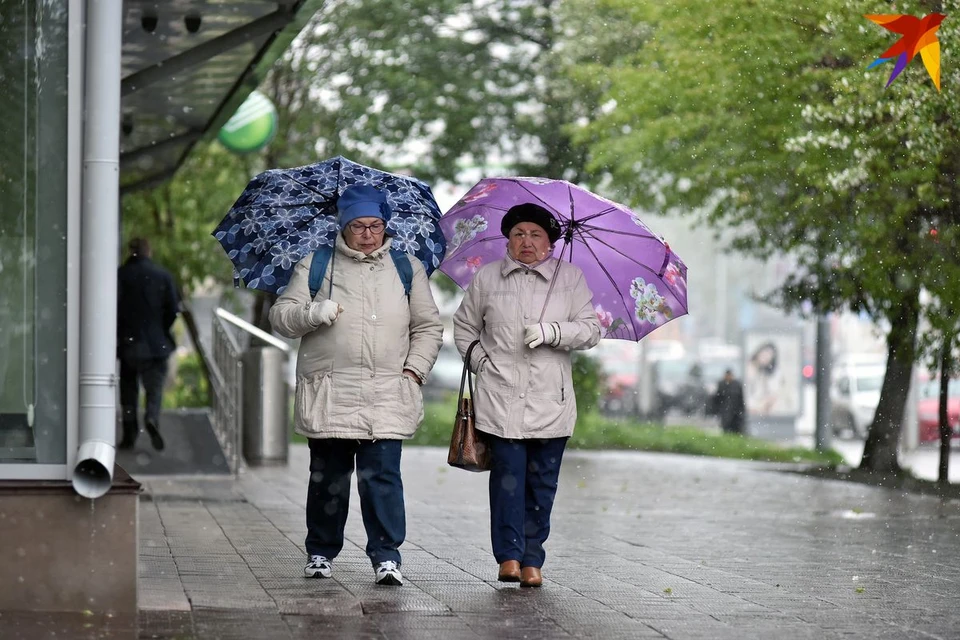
<point x="285" y="214"/>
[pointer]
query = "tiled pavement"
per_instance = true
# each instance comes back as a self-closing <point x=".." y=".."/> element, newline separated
<point x="643" y="546"/>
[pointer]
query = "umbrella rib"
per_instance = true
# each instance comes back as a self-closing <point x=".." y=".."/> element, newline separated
<point x="626" y="306"/>
<point x="473" y="205"/>
<point x="306" y="186"/>
<point x="599" y="213"/>
<point x="636" y="262"/>
<point x="615" y="210"/>
<point x="292" y="205"/>
<point x="460" y="252"/>
<point x="527" y="189"/>
<point x="616" y="250"/>
<point x="620" y="232"/>
<point x="474" y="243"/>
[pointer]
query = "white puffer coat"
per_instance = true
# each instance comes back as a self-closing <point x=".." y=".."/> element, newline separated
<point x="350" y="381"/>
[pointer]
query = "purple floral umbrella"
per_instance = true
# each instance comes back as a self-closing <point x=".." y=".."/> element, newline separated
<point x="638" y="283"/>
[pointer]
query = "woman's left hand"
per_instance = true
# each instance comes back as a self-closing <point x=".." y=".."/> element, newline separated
<point x="535" y="335"/>
<point x="410" y="374"/>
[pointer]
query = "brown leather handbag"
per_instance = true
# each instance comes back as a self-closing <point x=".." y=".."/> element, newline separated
<point x="467" y="447"/>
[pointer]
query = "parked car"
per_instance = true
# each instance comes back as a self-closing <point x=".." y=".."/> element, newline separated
<point x="855" y="393"/>
<point x="680" y="385"/>
<point x="928" y="410"/>
<point x="444" y="378"/>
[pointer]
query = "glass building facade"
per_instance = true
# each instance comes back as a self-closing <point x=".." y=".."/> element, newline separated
<point x="33" y="232"/>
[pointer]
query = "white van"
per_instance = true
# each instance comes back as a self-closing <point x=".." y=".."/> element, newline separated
<point x="855" y="393"/>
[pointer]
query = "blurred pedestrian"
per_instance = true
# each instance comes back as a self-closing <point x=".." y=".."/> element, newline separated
<point x="728" y="403"/>
<point x="524" y="387"/>
<point x="370" y="335"/>
<point x="147" y="306"/>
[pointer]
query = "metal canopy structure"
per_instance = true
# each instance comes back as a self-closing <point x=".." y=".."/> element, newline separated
<point x="186" y="66"/>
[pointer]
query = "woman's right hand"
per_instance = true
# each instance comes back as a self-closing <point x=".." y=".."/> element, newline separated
<point x="325" y="312"/>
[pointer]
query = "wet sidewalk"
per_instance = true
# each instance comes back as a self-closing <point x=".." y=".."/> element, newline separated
<point x="643" y="546"/>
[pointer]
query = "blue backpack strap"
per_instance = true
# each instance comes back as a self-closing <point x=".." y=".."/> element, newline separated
<point x="318" y="269"/>
<point x="401" y="260"/>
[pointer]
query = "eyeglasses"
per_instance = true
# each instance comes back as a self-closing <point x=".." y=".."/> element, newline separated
<point x="357" y="228"/>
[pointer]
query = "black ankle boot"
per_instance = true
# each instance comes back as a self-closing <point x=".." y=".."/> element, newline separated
<point x="155" y="438"/>
<point x="130" y="433"/>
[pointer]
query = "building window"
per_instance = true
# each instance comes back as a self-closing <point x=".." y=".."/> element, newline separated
<point x="33" y="232"/>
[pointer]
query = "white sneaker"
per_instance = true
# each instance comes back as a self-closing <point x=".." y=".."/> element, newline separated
<point x="318" y="567"/>
<point x="388" y="574"/>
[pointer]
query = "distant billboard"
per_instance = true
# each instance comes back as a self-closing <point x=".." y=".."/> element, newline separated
<point x="772" y="373"/>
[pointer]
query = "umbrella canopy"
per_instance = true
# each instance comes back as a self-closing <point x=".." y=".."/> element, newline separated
<point x="638" y="283"/>
<point x="285" y="214"/>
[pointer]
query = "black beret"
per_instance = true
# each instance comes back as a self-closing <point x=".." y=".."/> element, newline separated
<point x="530" y="212"/>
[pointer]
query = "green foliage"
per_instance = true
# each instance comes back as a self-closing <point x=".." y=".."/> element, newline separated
<point x="190" y="387"/>
<point x="696" y="118"/>
<point x="588" y="381"/>
<point x="474" y="82"/>
<point x="179" y="216"/>
<point x="595" y="432"/>
<point x="437" y="424"/>
<point x="758" y="115"/>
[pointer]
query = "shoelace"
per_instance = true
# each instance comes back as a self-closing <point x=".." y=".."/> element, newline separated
<point x="318" y="560"/>
<point x="388" y="565"/>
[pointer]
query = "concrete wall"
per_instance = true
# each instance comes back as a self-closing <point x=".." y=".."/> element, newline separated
<point x="61" y="552"/>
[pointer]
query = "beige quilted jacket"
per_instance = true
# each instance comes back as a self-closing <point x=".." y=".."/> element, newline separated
<point x="521" y="392"/>
<point x="349" y="374"/>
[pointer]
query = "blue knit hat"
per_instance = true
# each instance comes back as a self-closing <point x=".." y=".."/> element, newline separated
<point x="362" y="201"/>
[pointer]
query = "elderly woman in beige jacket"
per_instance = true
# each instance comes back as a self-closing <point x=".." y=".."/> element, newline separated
<point x="524" y="390"/>
<point x="364" y="353"/>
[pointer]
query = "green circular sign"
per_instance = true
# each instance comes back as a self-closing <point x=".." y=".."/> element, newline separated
<point x="252" y="127"/>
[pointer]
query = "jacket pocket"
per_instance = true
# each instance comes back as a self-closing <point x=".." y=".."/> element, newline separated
<point x="312" y="404"/>
<point x="549" y="376"/>
<point x="410" y="411"/>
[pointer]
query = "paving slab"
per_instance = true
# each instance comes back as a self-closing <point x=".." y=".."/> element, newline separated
<point x="642" y="546"/>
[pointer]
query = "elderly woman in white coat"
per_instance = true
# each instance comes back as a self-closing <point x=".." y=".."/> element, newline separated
<point x="524" y="389"/>
<point x="364" y="353"/>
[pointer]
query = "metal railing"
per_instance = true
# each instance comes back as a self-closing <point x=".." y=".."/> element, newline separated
<point x="226" y="375"/>
<point x="231" y="336"/>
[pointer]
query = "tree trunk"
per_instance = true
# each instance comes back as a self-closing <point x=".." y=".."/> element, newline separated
<point x="946" y="366"/>
<point x="883" y="439"/>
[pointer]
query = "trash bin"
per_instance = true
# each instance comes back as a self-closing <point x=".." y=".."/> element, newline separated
<point x="265" y="406"/>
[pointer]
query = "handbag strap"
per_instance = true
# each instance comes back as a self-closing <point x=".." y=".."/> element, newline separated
<point x="466" y="378"/>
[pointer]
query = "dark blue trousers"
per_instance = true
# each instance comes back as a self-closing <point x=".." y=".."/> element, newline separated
<point x="381" y="496"/>
<point x="151" y="373"/>
<point x="523" y="484"/>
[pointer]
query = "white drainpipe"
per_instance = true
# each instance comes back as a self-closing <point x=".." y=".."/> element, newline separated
<point x="99" y="249"/>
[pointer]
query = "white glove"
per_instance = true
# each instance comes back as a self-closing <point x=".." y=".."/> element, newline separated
<point x="325" y="312"/>
<point x="546" y="333"/>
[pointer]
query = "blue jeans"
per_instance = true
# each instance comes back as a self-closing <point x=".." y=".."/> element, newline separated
<point x="381" y="496"/>
<point x="523" y="484"/>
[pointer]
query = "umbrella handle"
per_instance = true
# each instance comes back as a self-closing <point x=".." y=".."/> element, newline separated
<point x="553" y="281"/>
<point x="333" y="256"/>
